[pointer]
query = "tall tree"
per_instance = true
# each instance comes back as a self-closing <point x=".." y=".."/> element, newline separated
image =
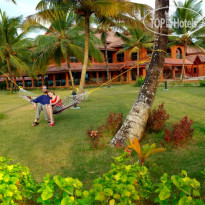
<point x="188" y="11"/>
<point x="137" y="39"/>
<point x="135" y="123"/>
<point x="62" y="40"/>
<point x="14" y="47"/>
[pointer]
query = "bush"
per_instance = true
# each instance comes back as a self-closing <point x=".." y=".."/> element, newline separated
<point x="139" y="82"/>
<point x="157" y="119"/>
<point x="180" y="132"/>
<point x="202" y="83"/>
<point x="123" y="184"/>
<point x="95" y="137"/>
<point x="16" y="183"/>
<point x="180" y="189"/>
<point x="113" y="123"/>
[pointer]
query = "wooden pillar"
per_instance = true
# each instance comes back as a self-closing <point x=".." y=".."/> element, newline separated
<point x="103" y="77"/>
<point x="162" y="76"/>
<point x="42" y="80"/>
<point x="54" y="80"/>
<point x="173" y="72"/>
<point x="110" y="75"/>
<point x="91" y="76"/>
<point x="15" y="80"/>
<point x="122" y="76"/>
<point x="97" y="76"/>
<point x="7" y="83"/>
<point x="144" y="72"/>
<point x="67" y="79"/>
<point x="129" y="76"/>
<point x="32" y="82"/>
<point x="23" y="82"/>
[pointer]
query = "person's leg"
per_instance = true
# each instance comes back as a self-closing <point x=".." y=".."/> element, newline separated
<point x="38" y="112"/>
<point x="45" y="112"/>
<point x="38" y="108"/>
<point x="50" y="113"/>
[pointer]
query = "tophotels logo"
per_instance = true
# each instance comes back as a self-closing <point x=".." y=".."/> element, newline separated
<point x="177" y="25"/>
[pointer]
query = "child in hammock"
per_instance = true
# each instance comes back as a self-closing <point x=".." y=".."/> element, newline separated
<point x="55" y="103"/>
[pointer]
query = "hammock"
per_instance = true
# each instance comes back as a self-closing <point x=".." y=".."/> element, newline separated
<point x="67" y="102"/>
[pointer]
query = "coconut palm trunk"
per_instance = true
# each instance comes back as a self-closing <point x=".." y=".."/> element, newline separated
<point x="86" y="54"/>
<point x="138" y="66"/>
<point x="106" y="60"/>
<point x="184" y="58"/>
<point x="70" y="73"/>
<point x="10" y="74"/>
<point x="135" y="123"/>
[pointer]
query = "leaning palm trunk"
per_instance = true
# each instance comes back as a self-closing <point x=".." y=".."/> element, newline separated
<point x="10" y="74"/>
<point x="106" y="60"/>
<point x="136" y="120"/>
<point x="70" y="73"/>
<point x="184" y="58"/>
<point x="138" y="66"/>
<point x="86" y="54"/>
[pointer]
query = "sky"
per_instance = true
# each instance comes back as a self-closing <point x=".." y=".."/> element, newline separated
<point x="27" y="7"/>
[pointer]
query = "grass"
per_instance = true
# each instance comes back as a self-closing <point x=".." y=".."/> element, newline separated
<point x="65" y="150"/>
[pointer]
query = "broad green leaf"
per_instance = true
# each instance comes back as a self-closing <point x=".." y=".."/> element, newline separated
<point x="164" y="193"/>
<point x="112" y="202"/>
<point x="47" y="193"/>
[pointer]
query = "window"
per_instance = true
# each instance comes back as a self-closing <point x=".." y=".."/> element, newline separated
<point x="134" y="56"/>
<point x="120" y="57"/>
<point x="179" y="53"/>
<point x="195" y="70"/>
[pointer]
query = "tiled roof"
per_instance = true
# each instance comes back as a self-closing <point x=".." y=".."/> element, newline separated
<point x="191" y="58"/>
<point x="174" y="61"/>
<point x="194" y="50"/>
<point x="78" y="67"/>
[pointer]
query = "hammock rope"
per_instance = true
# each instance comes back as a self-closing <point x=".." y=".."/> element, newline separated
<point x="73" y="100"/>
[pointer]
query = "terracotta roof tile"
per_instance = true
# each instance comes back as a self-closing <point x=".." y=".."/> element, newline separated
<point x="174" y="61"/>
<point x="194" y="50"/>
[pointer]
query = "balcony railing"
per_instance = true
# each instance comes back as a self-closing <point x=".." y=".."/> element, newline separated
<point x="168" y="55"/>
<point x="179" y="56"/>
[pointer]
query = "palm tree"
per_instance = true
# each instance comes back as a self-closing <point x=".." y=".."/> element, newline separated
<point x="14" y="48"/>
<point x="190" y="10"/>
<point x="137" y="39"/>
<point x="105" y="25"/>
<point x="62" y="40"/>
<point x="116" y="9"/>
<point x="135" y="123"/>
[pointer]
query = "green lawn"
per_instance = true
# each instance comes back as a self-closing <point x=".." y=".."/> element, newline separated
<point x="65" y="150"/>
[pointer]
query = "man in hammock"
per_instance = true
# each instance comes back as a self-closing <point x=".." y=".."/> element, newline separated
<point x="40" y="104"/>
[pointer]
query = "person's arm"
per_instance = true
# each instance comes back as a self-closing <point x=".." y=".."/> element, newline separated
<point x="37" y="100"/>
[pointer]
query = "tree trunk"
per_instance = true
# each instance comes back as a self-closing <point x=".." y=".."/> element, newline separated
<point x="184" y="58"/>
<point x="135" y="123"/>
<point x="10" y="74"/>
<point x="106" y="60"/>
<point x="70" y="73"/>
<point x="86" y="54"/>
<point x="138" y="66"/>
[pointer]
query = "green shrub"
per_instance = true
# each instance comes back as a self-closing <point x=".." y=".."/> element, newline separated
<point x="124" y="184"/>
<point x="16" y="183"/>
<point x="202" y="83"/>
<point x="180" y="189"/>
<point x="139" y="82"/>
<point x="187" y="84"/>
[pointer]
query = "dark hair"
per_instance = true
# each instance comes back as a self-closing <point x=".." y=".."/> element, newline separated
<point x="45" y="86"/>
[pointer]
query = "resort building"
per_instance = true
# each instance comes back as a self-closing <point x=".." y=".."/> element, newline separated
<point x="118" y="63"/>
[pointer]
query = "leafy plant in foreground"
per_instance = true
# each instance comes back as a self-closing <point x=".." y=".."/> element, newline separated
<point x="145" y="151"/>
<point x="179" y="190"/>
